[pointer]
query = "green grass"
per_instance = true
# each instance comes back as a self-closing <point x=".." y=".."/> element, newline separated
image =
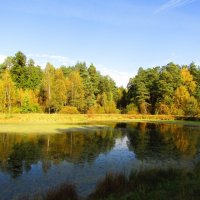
<point x="45" y="123"/>
<point x="24" y="128"/>
<point x="76" y="118"/>
<point x="43" y="129"/>
<point x="84" y="118"/>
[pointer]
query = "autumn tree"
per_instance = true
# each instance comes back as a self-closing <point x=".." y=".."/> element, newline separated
<point x="187" y="80"/>
<point x="59" y="90"/>
<point x="169" y="89"/>
<point x="7" y="92"/>
<point x="89" y="97"/>
<point x="75" y="91"/>
<point x="47" y="85"/>
<point x="185" y="102"/>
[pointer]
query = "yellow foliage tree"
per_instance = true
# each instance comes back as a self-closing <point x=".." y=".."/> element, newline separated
<point x="7" y="92"/>
<point x="181" y="96"/>
<point x="187" y="79"/>
<point x="59" y="91"/>
<point x="184" y="103"/>
<point x="75" y="91"/>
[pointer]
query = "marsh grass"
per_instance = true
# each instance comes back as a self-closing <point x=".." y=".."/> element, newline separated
<point x="64" y="191"/>
<point x="85" y="118"/>
<point x="154" y="184"/>
<point x="150" y="185"/>
<point x="113" y="183"/>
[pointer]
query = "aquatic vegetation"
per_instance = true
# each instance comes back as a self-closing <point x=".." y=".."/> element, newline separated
<point x="151" y="184"/>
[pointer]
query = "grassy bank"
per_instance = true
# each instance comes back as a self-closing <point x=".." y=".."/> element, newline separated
<point x="85" y="118"/>
<point x="45" y="123"/>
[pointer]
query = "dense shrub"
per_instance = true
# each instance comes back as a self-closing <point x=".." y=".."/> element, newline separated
<point x="132" y="109"/>
<point x="69" y="110"/>
<point x="96" y="109"/>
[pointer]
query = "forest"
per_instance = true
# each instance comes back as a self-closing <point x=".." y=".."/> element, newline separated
<point x="27" y="88"/>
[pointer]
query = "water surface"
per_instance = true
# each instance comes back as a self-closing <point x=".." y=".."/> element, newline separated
<point x="30" y="163"/>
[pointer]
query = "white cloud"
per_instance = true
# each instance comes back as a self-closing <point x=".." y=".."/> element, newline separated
<point x="173" y="4"/>
<point x="121" y="78"/>
<point x="42" y="59"/>
<point x="2" y="58"/>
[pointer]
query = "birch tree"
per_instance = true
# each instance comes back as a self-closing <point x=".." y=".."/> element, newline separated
<point x="7" y="92"/>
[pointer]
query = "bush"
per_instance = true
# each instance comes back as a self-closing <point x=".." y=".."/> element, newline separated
<point x="132" y="109"/>
<point x="30" y="108"/>
<point x="16" y="110"/>
<point x="69" y="110"/>
<point x="191" y="107"/>
<point x="96" y="109"/>
<point x="163" y="108"/>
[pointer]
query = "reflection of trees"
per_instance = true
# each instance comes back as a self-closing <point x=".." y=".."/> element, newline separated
<point x="23" y="155"/>
<point x="160" y="141"/>
<point x="18" y="153"/>
<point x="82" y="145"/>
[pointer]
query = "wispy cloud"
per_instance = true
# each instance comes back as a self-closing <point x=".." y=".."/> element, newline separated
<point x="42" y="59"/>
<point x="173" y="4"/>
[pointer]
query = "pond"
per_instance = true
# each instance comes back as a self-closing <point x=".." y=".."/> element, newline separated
<point x="31" y="163"/>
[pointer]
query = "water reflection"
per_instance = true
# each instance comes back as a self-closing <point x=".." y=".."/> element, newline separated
<point x="85" y="154"/>
<point x="18" y="152"/>
<point x="163" y="140"/>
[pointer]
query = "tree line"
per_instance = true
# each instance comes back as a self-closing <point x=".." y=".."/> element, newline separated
<point x="170" y="89"/>
<point x="25" y="87"/>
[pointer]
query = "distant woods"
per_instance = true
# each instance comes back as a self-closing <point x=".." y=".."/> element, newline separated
<point x="26" y="88"/>
<point x="171" y="89"/>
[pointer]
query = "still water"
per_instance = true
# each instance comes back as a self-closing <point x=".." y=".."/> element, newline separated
<point x="31" y="163"/>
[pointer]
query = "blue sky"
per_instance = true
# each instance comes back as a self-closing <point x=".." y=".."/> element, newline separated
<point x="118" y="36"/>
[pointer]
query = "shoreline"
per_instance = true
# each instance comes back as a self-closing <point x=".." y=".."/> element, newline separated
<point x="77" y="118"/>
<point x="54" y="123"/>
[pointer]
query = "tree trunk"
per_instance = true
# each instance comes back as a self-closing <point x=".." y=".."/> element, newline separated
<point x="49" y="97"/>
